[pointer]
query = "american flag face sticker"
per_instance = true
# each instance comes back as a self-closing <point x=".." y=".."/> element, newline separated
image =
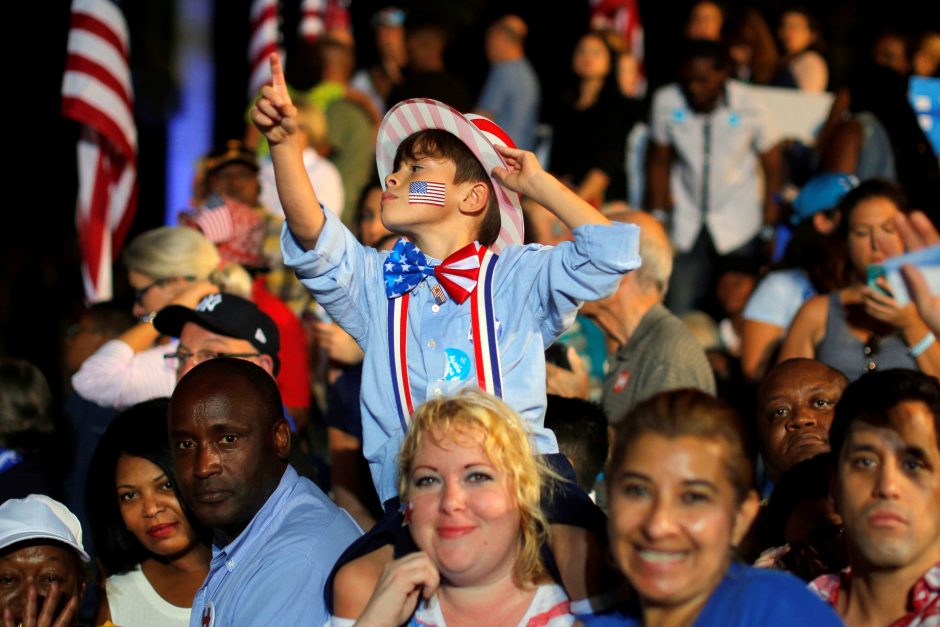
<point x="425" y="193"/>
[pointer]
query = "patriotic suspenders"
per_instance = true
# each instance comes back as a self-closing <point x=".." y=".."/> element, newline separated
<point x="485" y="346"/>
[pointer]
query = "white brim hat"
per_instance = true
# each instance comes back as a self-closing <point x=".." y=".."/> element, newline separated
<point x="476" y="132"/>
<point x="38" y="517"/>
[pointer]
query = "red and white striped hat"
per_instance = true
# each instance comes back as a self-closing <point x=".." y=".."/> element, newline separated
<point x="478" y="133"/>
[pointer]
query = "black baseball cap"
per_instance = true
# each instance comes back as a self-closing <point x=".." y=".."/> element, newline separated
<point x="228" y="315"/>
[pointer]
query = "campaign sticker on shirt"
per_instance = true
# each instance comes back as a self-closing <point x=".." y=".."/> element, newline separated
<point x="620" y="384"/>
<point x="208" y="615"/>
<point x="457" y="367"/>
<point x="678" y="115"/>
<point x="499" y="332"/>
<point x="734" y="120"/>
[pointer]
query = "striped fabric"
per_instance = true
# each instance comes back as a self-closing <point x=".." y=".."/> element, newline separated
<point x="324" y="16"/>
<point x="97" y="93"/>
<point x="477" y="132"/>
<point x="264" y="40"/>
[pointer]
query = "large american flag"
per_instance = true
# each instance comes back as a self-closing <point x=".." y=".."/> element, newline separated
<point x="264" y="41"/>
<point x="97" y="93"/>
<point x="425" y="193"/>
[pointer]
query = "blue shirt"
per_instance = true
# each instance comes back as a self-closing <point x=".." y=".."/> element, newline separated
<point x="537" y="292"/>
<point x="273" y="573"/>
<point x="747" y="597"/>
<point x="512" y="96"/>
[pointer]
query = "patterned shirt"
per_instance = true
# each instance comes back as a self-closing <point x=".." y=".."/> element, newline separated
<point x="923" y="605"/>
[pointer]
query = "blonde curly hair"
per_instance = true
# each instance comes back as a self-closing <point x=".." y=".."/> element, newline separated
<point x="505" y="440"/>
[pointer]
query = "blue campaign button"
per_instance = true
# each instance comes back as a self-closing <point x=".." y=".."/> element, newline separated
<point x="457" y="366"/>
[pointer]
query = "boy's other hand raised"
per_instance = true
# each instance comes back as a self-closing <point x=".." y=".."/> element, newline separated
<point x="522" y="173"/>
<point x="274" y="114"/>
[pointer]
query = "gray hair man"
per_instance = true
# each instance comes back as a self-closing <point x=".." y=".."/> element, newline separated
<point x="652" y="350"/>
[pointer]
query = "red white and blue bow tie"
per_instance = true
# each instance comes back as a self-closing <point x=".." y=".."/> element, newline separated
<point x="407" y="266"/>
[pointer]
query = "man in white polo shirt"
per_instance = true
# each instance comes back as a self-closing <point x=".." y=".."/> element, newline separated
<point x="714" y="170"/>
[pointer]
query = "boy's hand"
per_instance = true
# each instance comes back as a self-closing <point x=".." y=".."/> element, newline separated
<point x="274" y="114"/>
<point x="522" y="173"/>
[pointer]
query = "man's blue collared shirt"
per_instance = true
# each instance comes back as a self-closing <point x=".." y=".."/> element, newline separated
<point x="537" y="291"/>
<point x="274" y="571"/>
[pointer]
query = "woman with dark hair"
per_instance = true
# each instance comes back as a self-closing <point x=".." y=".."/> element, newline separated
<point x="862" y="327"/>
<point x="154" y="552"/>
<point x="590" y="132"/>
<point x="801" y="65"/>
<point x="813" y="263"/>
<point x="681" y="495"/>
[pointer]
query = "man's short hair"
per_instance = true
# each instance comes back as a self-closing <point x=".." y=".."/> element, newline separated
<point x="239" y="375"/>
<point x="444" y="145"/>
<point x="869" y="399"/>
<point x="714" y="51"/>
<point x="581" y="430"/>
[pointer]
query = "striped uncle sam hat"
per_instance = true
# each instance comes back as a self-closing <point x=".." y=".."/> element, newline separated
<point x="476" y="132"/>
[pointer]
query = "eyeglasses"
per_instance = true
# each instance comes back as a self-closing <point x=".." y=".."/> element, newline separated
<point x="180" y="358"/>
<point x="140" y="292"/>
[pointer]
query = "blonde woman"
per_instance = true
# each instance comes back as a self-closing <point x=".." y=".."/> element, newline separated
<point x="470" y="484"/>
<point x="167" y="265"/>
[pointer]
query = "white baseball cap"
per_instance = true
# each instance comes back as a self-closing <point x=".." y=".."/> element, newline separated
<point x="40" y="517"/>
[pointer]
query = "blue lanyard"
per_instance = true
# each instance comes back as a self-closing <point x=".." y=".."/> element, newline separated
<point x="8" y="459"/>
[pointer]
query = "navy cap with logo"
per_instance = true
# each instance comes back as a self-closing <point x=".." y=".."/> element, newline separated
<point x="228" y="315"/>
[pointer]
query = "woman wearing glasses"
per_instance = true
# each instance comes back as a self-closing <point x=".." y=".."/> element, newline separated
<point x="862" y="327"/>
<point x="167" y="265"/>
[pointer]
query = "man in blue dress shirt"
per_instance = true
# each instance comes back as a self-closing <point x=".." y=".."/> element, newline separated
<point x="276" y="535"/>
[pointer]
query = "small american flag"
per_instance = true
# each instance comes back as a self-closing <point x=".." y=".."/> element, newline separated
<point x="425" y="193"/>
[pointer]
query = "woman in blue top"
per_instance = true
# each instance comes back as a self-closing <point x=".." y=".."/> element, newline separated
<point x="681" y="496"/>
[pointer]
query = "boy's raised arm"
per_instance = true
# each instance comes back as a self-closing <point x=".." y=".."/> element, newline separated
<point x="526" y="176"/>
<point x="276" y="117"/>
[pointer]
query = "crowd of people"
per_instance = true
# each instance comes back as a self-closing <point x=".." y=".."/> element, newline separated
<point x="666" y="374"/>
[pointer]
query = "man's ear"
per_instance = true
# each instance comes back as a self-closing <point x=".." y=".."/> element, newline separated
<point x="474" y="198"/>
<point x="266" y="362"/>
<point x="744" y="518"/>
<point x="282" y="439"/>
<point x="833" y="485"/>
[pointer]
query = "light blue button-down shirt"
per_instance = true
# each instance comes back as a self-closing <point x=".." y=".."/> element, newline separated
<point x="537" y="292"/>
<point x="273" y="573"/>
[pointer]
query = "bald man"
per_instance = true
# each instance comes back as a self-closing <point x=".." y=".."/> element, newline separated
<point x="795" y="406"/>
<point x="511" y="96"/>
<point x="276" y="535"/>
<point x="652" y="350"/>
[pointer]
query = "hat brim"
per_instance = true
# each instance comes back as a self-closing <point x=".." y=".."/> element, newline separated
<point x="39" y="534"/>
<point x="419" y="114"/>
<point x="171" y="319"/>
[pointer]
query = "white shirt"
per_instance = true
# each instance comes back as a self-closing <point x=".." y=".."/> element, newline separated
<point x="116" y="376"/>
<point x="134" y="602"/>
<point x="727" y="143"/>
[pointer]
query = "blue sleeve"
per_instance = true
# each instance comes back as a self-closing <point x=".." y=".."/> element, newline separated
<point x="589" y="268"/>
<point x="767" y="598"/>
<point x="338" y="272"/>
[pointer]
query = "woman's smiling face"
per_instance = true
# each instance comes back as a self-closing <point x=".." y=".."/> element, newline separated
<point x="674" y="516"/>
<point x="461" y="510"/>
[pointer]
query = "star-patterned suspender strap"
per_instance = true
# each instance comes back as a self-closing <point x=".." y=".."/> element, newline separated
<point x="485" y="345"/>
